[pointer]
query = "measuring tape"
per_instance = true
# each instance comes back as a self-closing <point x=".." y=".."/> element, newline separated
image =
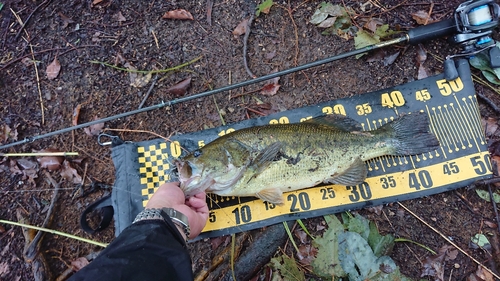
<point x="454" y="119"/>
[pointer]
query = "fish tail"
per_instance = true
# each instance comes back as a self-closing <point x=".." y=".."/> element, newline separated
<point x="409" y="134"/>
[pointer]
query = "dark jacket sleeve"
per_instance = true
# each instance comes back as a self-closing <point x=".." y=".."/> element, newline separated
<point x="146" y="250"/>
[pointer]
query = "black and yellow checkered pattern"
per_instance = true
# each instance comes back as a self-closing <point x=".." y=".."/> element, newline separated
<point x="153" y="164"/>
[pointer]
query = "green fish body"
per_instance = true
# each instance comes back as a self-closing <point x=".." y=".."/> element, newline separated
<point x="266" y="161"/>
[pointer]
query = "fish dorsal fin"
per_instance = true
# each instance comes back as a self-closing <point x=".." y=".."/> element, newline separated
<point x="354" y="175"/>
<point x="271" y="195"/>
<point x="336" y="121"/>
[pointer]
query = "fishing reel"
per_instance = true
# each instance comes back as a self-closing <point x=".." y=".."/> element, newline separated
<point x="474" y="22"/>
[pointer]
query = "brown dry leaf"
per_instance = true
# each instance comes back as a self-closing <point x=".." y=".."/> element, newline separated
<point x="94" y="130"/>
<point x="65" y="19"/>
<point x="180" y="89"/>
<point x="13" y="168"/>
<point x="422" y="72"/>
<point x="53" y="69"/>
<point x="299" y="233"/>
<point x="390" y="59"/>
<point x="179" y="14"/>
<point x="76" y="114"/>
<point x="119" y="17"/>
<point x="271" y="88"/>
<point x="373" y="23"/>
<point x="422" y="17"/>
<point x="421" y="54"/>
<point x="241" y="28"/>
<point x="434" y="267"/>
<point x="490" y="126"/>
<point x="306" y="254"/>
<point x="377" y="209"/>
<point x="137" y="80"/>
<point x="7" y="133"/>
<point x="480" y="275"/>
<point x="69" y="173"/>
<point x="50" y="163"/>
<point x="4" y="268"/>
<point x="79" y="263"/>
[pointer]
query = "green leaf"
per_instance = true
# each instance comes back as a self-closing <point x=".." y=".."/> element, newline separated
<point x="358" y="260"/>
<point x="481" y="241"/>
<point x="485" y="195"/>
<point x="327" y="263"/>
<point x="363" y="39"/>
<point x="1" y="6"/>
<point x="380" y="244"/>
<point x="481" y="61"/>
<point x="264" y="7"/>
<point x="383" y="31"/>
<point x="288" y="268"/>
<point x="360" y="225"/>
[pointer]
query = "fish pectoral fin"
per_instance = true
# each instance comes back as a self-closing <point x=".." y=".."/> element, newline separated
<point x="265" y="157"/>
<point x="353" y="175"/>
<point x="271" y="195"/>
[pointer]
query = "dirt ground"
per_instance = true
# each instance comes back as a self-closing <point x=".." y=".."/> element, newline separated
<point x="133" y="32"/>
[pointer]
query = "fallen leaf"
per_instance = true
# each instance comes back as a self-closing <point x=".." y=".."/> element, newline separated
<point x="434" y="265"/>
<point x="271" y="88"/>
<point x="390" y="59"/>
<point x="422" y="72"/>
<point x="299" y="233"/>
<point x="422" y="17"/>
<point x="79" y="263"/>
<point x="13" y="168"/>
<point x="53" y="69"/>
<point x="270" y="55"/>
<point x="480" y="275"/>
<point x="50" y="163"/>
<point x="94" y="130"/>
<point x="4" y="268"/>
<point x="328" y="22"/>
<point x="373" y="24"/>
<point x="264" y="7"/>
<point x="421" y="54"/>
<point x="377" y="209"/>
<point x="26" y="163"/>
<point x="136" y="79"/>
<point x="306" y="254"/>
<point x="288" y="268"/>
<point x="241" y="28"/>
<point x="180" y="89"/>
<point x="179" y="14"/>
<point x="66" y="20"/>
<point x="69" y="173"/>
<point x="7" y="133"/>
<point x="76" y="114"/>
<point x="119" y="17"/>
<point x="490" y="126"/>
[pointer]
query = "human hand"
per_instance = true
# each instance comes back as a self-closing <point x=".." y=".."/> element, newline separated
<point x="169" y="195"/>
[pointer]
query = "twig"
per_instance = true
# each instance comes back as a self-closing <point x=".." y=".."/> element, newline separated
<point x="429" y="14"/>
<point x="149" y="92"/>
<point x="51" y="231"/>
<point x="29" y="17"/>
<point x="34" y="245"/>
<point x="448" y="240"/>
<point x="147" y="71"/>
<point x="39" y="154"/>
<point x="37" y="80"/>
<point x="45" y="51"/>
<point x="210" y="4"/>
<point x="245" y="40"/>
<point x="494" y="207"/>
<point x="489" y="102"/>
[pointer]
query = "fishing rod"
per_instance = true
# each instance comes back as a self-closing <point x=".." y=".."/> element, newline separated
<point x="471" y="28"/>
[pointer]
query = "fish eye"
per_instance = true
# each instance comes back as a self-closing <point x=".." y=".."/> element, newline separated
<point x="197" y="153"/>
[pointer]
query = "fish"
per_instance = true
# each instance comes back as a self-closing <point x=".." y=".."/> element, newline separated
<point x="265" y="161"/>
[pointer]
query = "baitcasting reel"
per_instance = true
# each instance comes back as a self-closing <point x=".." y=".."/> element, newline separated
<point x="474" y="22"/>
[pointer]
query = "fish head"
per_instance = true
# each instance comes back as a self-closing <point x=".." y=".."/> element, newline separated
<point x="211" y="168"/>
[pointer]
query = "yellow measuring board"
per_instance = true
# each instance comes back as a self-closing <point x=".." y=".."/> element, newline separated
<point x="454" y="119"/>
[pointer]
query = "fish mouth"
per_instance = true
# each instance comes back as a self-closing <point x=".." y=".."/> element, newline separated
<point x="189" y="178"/>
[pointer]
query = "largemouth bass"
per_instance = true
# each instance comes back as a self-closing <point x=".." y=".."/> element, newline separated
<point x="266" y="161"/>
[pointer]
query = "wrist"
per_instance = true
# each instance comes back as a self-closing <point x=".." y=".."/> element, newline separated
<point x="179" y="220"/>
